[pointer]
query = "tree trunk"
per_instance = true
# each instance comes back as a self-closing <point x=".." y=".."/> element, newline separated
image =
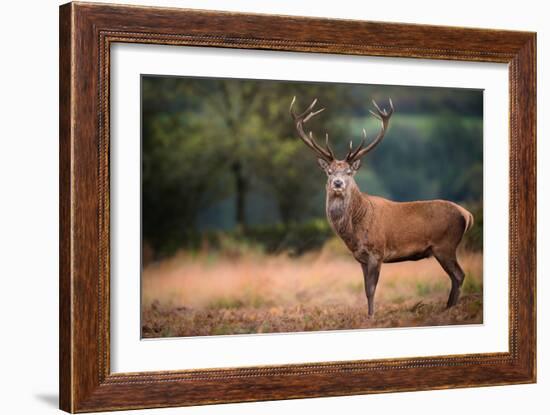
<point x="285" y="211"/>
<point x="241" y="187"/>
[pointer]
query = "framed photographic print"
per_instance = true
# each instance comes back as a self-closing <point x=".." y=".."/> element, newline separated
<point x="260" y="207"/>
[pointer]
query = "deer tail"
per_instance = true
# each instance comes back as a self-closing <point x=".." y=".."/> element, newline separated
<point x="468" y="218"/>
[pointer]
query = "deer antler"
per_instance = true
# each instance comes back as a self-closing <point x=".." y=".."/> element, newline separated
<point x="300" y="119"/>
<point x="384" y="116"/>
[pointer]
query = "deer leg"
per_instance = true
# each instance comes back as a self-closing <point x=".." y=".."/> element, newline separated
<point x="452" y="267"/>
<point x="371" y="272"/>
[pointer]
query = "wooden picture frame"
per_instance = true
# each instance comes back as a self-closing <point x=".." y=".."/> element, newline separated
<point x="86" y="33"/>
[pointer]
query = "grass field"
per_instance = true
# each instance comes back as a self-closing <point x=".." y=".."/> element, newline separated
<point x="213" y="294"/>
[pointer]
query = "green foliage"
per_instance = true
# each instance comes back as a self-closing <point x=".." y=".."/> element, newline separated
<point x="423" y="289"/>
<point x="429" y="157"/>
<point x="472" y="285"/>
<point x="288" y="181"/>
<point x="294" y="238"/>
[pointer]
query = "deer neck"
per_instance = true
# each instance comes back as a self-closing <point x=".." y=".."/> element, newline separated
<point x="345" y="211"/>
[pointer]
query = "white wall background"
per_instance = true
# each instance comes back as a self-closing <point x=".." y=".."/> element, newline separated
<point x="29" y="205"/>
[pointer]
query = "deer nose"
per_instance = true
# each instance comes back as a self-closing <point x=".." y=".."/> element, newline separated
<point x="338" y="183"/>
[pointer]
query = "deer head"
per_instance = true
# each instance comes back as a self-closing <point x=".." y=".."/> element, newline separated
<point x="339" y="172"/>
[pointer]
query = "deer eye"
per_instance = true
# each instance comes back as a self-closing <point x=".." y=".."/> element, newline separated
<point x="348" y="171"/>
<point x="330" y="171"/>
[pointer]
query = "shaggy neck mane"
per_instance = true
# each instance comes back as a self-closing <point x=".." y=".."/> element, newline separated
<point x="345" y="211"/>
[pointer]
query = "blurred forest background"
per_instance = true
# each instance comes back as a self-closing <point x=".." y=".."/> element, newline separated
<point x="223" y="154"/>
<point x="224" y="174"/>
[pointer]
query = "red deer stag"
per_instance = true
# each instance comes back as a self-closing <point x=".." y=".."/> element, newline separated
<point x="378" y="230"/>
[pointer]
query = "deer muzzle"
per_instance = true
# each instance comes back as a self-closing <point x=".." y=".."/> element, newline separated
<point x="338" y="185"/>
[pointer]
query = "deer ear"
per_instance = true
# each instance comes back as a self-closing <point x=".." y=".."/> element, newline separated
<point x="323" y="164"/>
<point x="356" y="164"/>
